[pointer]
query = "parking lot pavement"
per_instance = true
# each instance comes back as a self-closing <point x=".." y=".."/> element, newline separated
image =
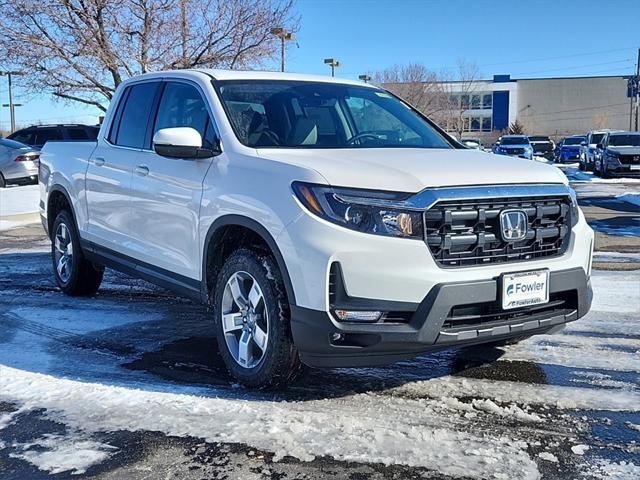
<point x="128" y="384"/>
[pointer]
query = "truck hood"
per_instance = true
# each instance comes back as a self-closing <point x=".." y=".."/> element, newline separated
<point x="412" y="170"/>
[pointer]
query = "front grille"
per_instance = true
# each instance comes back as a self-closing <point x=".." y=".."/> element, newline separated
<point x="514" y="151"/>
<point x="467" y="232"/>
<point x="630" y="159"/>
<point x="542" y="147"/>
<point x="483" y="314"/>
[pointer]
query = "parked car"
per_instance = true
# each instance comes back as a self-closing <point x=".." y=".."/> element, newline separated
<point x="589" y="149"/>
<point x="515" y="146"/>
<point x="314" y="240"/>
<point x="570" y="149"/>
<point x="542" y="146"/>
<point x="37" y="135"/>
<point x="18" y="163"/>
<point x="474" y="143"/>
<point x="620" y="155"/>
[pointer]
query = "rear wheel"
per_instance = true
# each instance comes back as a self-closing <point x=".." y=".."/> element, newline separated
<point x="3" y="182"/>
<point x="74" y="274"/>
<point x="252" y="321"/>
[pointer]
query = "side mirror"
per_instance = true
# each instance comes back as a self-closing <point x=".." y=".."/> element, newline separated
<point x="584" y="144"/>
<point x="599" y="146"/>
<point x="181" y="142"/>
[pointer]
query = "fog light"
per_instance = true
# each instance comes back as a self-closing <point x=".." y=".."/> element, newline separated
<point x="358" y="315"/>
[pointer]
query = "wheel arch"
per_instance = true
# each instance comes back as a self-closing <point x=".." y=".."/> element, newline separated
<point x="226" y="228"/>
<point x="58" y="200"/>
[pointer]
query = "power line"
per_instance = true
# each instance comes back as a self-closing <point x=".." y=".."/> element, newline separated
<point x="574" y="67"/>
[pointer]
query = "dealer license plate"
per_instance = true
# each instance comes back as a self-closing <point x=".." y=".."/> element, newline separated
<point x="525" y="289"/>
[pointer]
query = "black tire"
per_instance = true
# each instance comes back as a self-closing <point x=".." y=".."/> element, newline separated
<point x="80" y="277"/>
<point x="279" y="364"/>
<point x="581" y="166"/>
<point x="3" y="182"/>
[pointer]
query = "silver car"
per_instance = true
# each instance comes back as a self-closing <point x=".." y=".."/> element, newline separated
<point x="18" y="162"/>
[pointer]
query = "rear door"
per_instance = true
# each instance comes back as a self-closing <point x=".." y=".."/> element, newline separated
<point x="108" y="179"/>
<point x="166" y="192"/>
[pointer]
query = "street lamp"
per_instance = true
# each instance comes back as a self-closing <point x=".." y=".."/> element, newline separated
<point x="333" y="63"/>
<point x="283" y="34"/>
<point x="365" y="78"/>
<point x="11" y="105"/>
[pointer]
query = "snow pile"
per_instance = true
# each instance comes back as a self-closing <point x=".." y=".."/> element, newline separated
<point x="606" y="469"/>
<point x="511" y="411"/>
<point x="579" y="449"/>
<point x="630" y="197"/>
<point x="19" y="200"/>
<point x="506" y="392"/>
<point x="366" y="428"/>
<point x="57" y="454"/>
<point x="549" y="457"/>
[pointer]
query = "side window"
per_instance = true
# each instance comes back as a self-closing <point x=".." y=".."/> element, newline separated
<point x="77" y="134"/>
<point x="44" y="135"/>
<point x="132" y="127"/>
<point x="24" y="136"/>
<point x="182" y="106"/>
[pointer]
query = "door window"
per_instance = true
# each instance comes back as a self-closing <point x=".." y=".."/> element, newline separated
<point x="44" y="135"/>
<point x="132" y="127"/>
<point x="183" y="106"/>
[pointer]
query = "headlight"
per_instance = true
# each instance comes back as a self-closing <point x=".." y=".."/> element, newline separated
<point x="378" y="213"/>
<point x="613" y="155"/>
<point x="575" y="209"/>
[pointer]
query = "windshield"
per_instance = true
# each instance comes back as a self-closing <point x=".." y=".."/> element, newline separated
<point x="539" y="139"/>
<point x="292" y="114"/>
<point x="624" y="140"/>
<point x="596" y="138"/>
<point x="5" y="142"/>
<point x="573" y="140"/>
<point x="514" y="141"/>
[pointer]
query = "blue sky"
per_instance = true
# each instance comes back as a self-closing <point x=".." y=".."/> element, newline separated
<point x="533" y="38"/>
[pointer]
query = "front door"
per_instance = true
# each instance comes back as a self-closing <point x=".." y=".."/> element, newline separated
<point x="166" y="192"/>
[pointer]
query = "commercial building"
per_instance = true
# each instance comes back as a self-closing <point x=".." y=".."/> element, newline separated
<point x="543" y="106"/>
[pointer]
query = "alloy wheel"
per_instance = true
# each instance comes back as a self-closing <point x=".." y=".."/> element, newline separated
<point x="63" y="253"/>
<point x="245" y="320"/>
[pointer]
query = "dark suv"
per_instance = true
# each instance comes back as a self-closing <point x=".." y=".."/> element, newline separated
<point x="37" y="135"/>
<point x="543" y="146"/>
<point x="619" y="155"/>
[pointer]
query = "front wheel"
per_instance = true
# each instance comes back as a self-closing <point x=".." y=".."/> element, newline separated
<point x="3" y="182"/>
<point x="252" y="321"/>
<point x="74" y="274"/>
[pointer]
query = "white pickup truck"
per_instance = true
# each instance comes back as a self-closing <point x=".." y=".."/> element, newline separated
<point x="324" y="221"/>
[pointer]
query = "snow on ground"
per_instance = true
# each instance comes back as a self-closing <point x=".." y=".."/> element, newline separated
<point x="576" y="175"/>
<point x="19" y="200"/>
<point x="57" y="454"/>
<point x="66" y="355"/>
<point x="18" y="206"/>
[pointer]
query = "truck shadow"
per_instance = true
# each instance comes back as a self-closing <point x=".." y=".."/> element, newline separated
<point x="133" y="334"/>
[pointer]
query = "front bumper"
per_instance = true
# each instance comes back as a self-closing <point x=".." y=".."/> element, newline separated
<point x="622" y="171"/>
<point x="325" y="342"/>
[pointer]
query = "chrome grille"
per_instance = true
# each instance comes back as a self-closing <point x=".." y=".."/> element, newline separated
<point x="463" y="233"/>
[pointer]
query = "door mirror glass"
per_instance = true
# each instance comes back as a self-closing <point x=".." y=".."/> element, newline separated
<point x="181" y="142"/>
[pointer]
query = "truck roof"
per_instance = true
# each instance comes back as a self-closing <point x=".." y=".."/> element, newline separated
<point x="219" y="74"/>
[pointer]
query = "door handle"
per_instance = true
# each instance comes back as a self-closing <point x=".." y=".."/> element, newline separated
<point x="98" y="161"/>
<point x="142" y="170"/>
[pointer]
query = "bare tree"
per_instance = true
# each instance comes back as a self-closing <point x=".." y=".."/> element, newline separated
<point x="459" y="88"/>
<point x="81" y="50"/>
<point x="415" y="84"/>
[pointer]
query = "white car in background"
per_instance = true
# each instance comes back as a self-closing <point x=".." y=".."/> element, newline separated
<point x="18" y="163"/>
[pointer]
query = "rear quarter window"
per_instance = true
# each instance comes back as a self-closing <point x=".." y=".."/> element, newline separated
<point x="132" y="116"/>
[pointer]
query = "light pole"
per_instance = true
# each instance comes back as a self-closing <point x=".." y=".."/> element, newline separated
<point x="365" y="78"/>
<point x="283" y="34"/>
<point x="333" y="63"/>
<point x="12" y="111"/>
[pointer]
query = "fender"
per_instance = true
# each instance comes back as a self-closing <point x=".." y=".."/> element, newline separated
<point x="250" y="224"/>
<point x="49" y="223"/>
